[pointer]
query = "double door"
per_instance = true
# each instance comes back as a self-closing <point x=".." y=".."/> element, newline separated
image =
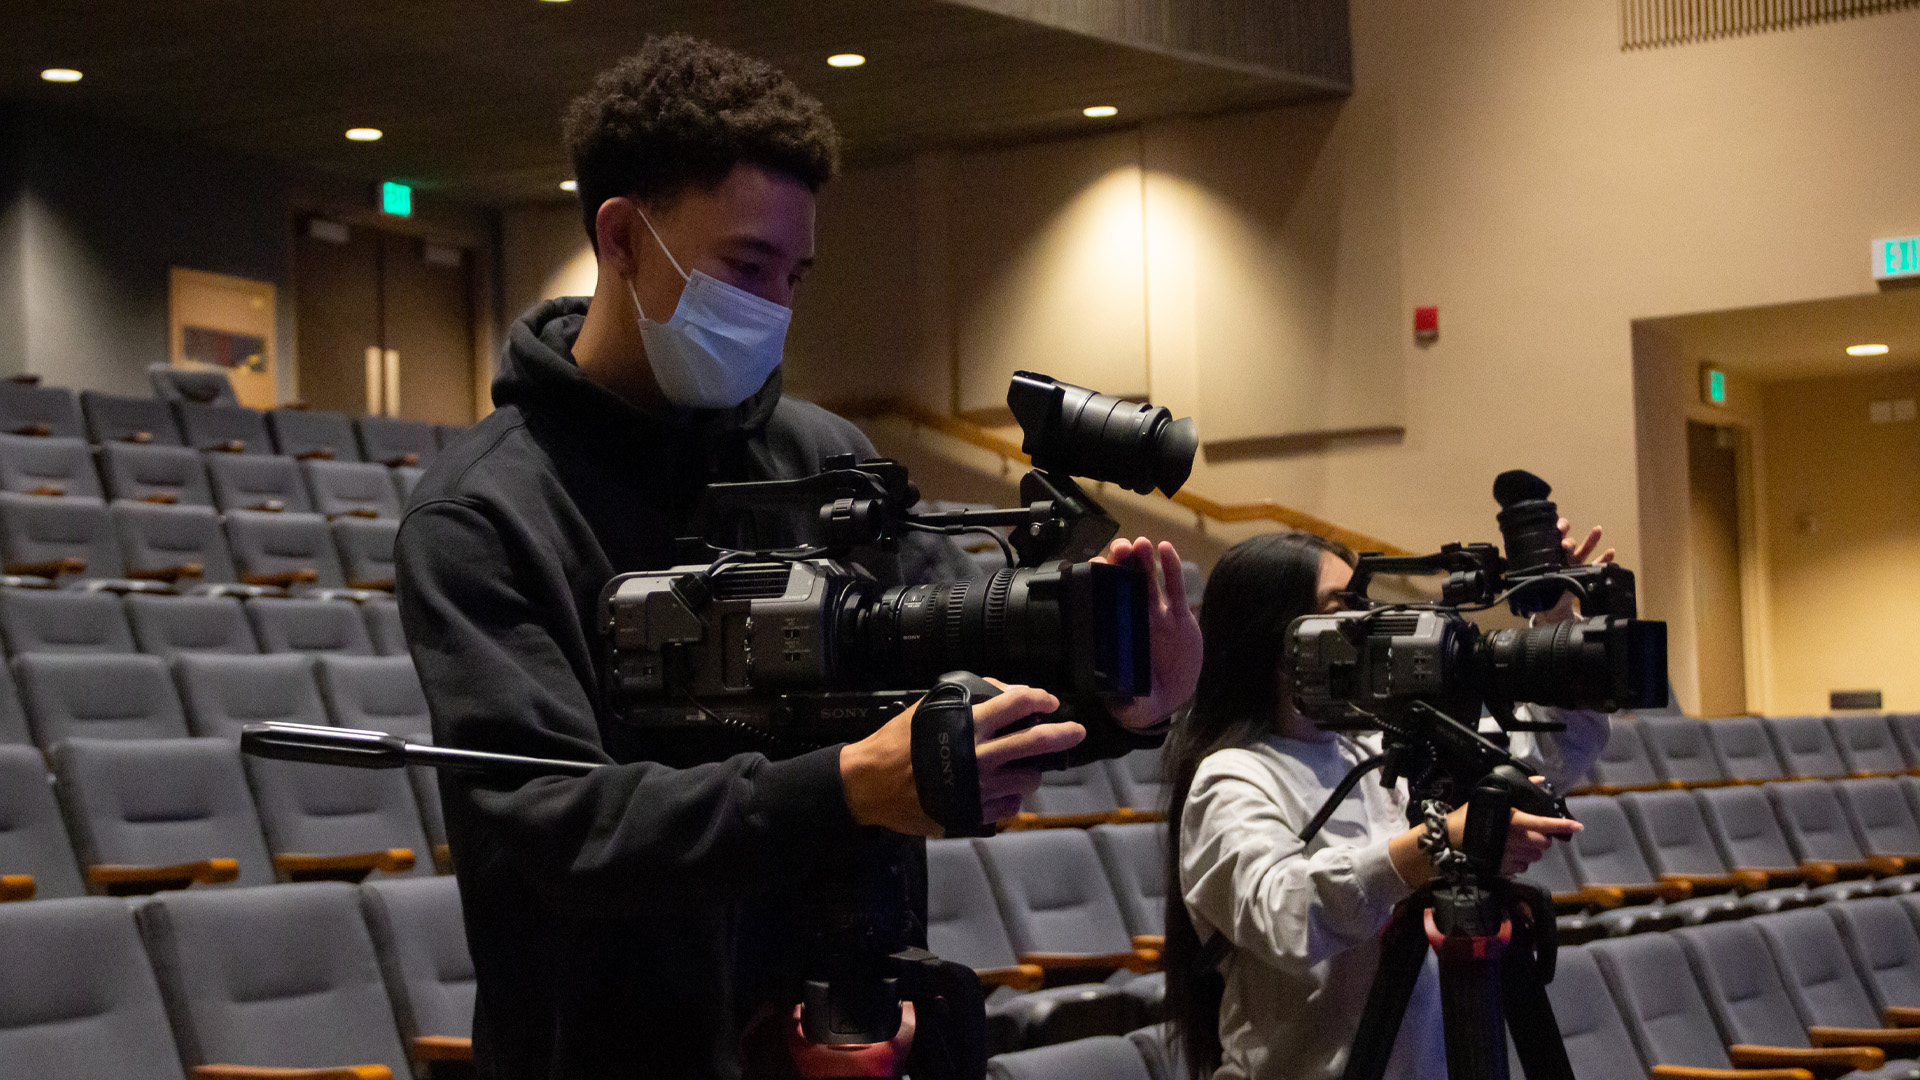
<point x="384" y="324"/>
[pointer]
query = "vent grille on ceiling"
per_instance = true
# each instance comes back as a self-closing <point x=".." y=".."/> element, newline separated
<point x="1646" y="24"/>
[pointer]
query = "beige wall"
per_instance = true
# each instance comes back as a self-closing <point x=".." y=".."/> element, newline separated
<point x="1842" y="520"/>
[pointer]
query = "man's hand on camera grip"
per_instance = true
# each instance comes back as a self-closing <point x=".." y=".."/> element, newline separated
<point x="1174" y="631"/>
<point x="876" y="773"/>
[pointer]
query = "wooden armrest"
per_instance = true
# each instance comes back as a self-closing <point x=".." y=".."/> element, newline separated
<point x="350" y="868"/>
<point x="1775" y="876"/>
<point x="1821" y="1035"/>
<point x="138" y="438"/>
<point x="1826" y="1061"/>
<point x="285" y="579"/>
<point x="1021" y="977"/>
<point x="1900" y="1016"/>
<point x="1156" y="942"/>
<point x="162" y="498"/>
<point x="357" y="512"/>
<point x="403" y="459"/>
<point x="1139" y="961"/>
<point x="270" y="506"/>
<point x="1706" y="884"/>
<point x="324" y="453"/>
<point x="172" y="575"/>
<point x="1647" y="893"/>
<point x="442" y="1048"/>
<point x="231" y="446"/>
<point x="51" y="490"/>
<point x="383" y="585"/>
<point x="142" y="880"/>
<point x="1025" y="820"/>
<point x="1887" y="865"/>
<point x="268" y="1072"/>
<point x="16" y="887"/>
<point x="52" y="568"/>
<point x="41" y="430"/>
<point x="1825" y="872"/>
<point x="25" y="379"/>
<point x="1688" y="1072"/>
<point x="443" y="858"/>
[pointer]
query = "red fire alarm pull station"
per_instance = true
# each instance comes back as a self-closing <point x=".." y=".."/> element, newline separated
<point x="1426" y="325"/>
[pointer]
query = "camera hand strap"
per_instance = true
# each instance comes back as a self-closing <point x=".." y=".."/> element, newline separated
<point x="945" y="772"/>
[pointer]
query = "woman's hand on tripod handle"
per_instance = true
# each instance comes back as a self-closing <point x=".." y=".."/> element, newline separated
<point x="1528" y="837"/>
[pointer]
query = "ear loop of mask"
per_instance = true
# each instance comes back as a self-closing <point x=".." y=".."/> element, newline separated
<point x="663" y="250"/>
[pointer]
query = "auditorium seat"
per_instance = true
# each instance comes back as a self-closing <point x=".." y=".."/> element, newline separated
<point x="1074" y="797"/>
<point x="114" y="419"/>
<point x="445" y="434"/>
<point x="1681" y="751"/>
<point x="1753" y="1011"/>
<point x="1135" y="858"/>
<point x="1607" y="857"/>
<point x="27" y="408"/>
<point x="282" y="977"/>
<point x="174" y="384"/>
<point x="254" y="482"/>
<point x="1881" y="818"/>
<point x="312" y="433"/>
<point x="171" y="625"/>
<point x="63" y="621"/>
<point x="421" y="944"/>
<point x="285" y="550"/>
<point x="183" y="546"/>
<point x="1884" y="946"/>
<point x="1826" y="990"/>
<point x="1057" y="904"/>
<point x="964" y="925"/>
<point x="1906" y="733"/>
<point x="70" y="541"/>
<point x="155" y="814"/>
<point x="47" y="467"/>
<point x="1103" y="1057"/>
<point x="1806" y="747"/>
<point x="1821" y="837"/>
<point x="224" y="692"/>
<point x="1744" y="749"/>
<point x="405" y="478"/>
<point x="383" y="622"/>
<point x="1624" y="764"/>
<point x="366" y="550"/>
<point x="13" y="718"/>
<point x="79" y="1000"/>
<point x="229" y="429"/>
<point x="351" y="488"/>
<point x="1679" y="846"/>
<point x="36" y="857"/>
<point x="1156" y="1043"/>
<point x="1554" y="873"/>
<point x="1136" y="781"/>
<point x="1598" y="1043"/>
<point x="392" y="441"/>
<point x="98" y="696"/>
<point x="165" y="474"/>
<point x="309" y="625"/>
<point x="1867" y="746"/>
<point x="380" y="693"/>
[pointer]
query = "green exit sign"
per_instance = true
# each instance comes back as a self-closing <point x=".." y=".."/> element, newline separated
<point x="1896" y="258"/>
<point x="1713" y="385"/>
<point x="396" y="199"/>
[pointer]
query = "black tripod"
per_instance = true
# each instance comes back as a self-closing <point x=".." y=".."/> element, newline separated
<point x="1494" y="936"/>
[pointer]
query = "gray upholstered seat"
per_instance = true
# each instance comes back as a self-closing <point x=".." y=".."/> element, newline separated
<point x="1805" y="746"/>
<point x="309" y="625"/>
<point x="1744" y="749"/>
<point x="1819" y="975"/>
<point x="422" y="945"/>
<point x="79" y="1000"/>
<point x="1135" y="858"/>
<point x="1681" y="750"/>
<point x="63" y="620"/>
<point x="47" y="467"/>
<point x="1599" y="1046"/>
<point x="27" y="408"/>
<point x="356" y="488"/>
<point x="392" y="441"/>
<point x="1748" y="832"/>
<point x="445" y="434"/>
<point x="13" y="719"/>
<point x="170" y="543"/>
<point x="33" y="838"/>
<point x="160" y="802"/>
<point x="288" y="549"/>
<point x="1676" y="839"/>
<point x="114" y="419"/>
<point x="1102" y="1057"/>
<point x="191" y="384"/>
<point x="1608" y="854"/>
<point x="98" y="696"/>
<point x="381" y="693"/>
<point x="312" y="433"/>
<point x="1880" y="816"/>
<point x="155" y="473"/>
<point x="223" y="692"/>
<point x="405" y="479"/>
<point x="171" y="625"/>
<point x="1817" y="829"/>
<point x="1053" y="893"/>
<point x="366" y="549"/>
<point x="38" y="533"/>
<point x="383" y="622"/>
<point x="257" y="482"/>
<point x="1081" y="790"/>
<point x="284" y="977"/>
<point x="1884" y="946"/>
<point x="1653" y="985"/>
<point x="1625" y="763"/>
<point x="1866" y="744"/>
<point x="1136" y="780"/>
<point x="227" y="428"/>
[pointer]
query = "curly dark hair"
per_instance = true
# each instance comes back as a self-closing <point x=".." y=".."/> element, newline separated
<point x="681" y="113"/>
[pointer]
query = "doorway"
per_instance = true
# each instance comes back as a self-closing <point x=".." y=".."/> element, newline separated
<point x="1713" y="474"/>
<point x="385" y="324"/>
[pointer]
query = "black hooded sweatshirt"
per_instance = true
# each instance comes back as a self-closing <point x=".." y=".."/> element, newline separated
<point x="623" y="923"/>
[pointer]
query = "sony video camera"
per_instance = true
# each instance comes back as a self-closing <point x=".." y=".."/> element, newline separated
<point x="1422" y="673"/>
<point x="804" y="648"/>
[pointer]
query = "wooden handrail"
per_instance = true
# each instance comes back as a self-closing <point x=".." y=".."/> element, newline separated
<point x="1263" y="510"/>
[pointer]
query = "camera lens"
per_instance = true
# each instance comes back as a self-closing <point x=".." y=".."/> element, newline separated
<point x="1600" y="663"/>
<point x="1071" y="429"/>
<point x="1529" y="522"/>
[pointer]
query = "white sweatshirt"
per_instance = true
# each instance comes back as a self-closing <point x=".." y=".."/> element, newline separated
<point x="1305" y="920"/>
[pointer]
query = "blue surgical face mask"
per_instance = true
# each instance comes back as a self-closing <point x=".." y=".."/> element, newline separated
<point x="721" y="344"/>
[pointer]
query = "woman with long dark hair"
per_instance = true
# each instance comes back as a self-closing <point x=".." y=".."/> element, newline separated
<point x="1279" y="996"/>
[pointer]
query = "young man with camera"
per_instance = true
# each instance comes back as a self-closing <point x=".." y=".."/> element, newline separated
<point x="635" y="920"/>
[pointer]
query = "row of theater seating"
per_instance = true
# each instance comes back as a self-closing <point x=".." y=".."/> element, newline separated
<point x="1063" y="925"/>
<point x="1677" y="751"/>
<point x="1118" y="790"/>
<point x="199" y="410"/>
<point x="148" y="793"/>
<point x="1649" y="860"/>
<point x="1828" y="992"/>
<point x="53" y="621"/>
<point x="367" y="984"/>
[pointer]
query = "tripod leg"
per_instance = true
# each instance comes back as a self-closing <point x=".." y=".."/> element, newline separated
<point x="1470" y="1005"/>
<point x="1403" y="952"/>
<point x="1536" y="1032"/>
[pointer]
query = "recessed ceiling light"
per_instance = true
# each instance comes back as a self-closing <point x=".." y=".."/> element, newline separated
<point x="1099" y="111"/>
<point x="846" y="59"/>
<point x="60" y="75"/>
<point x="364" y="134"/>
<point x="569" y="185"/>
<point x="1866" y="350"/>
